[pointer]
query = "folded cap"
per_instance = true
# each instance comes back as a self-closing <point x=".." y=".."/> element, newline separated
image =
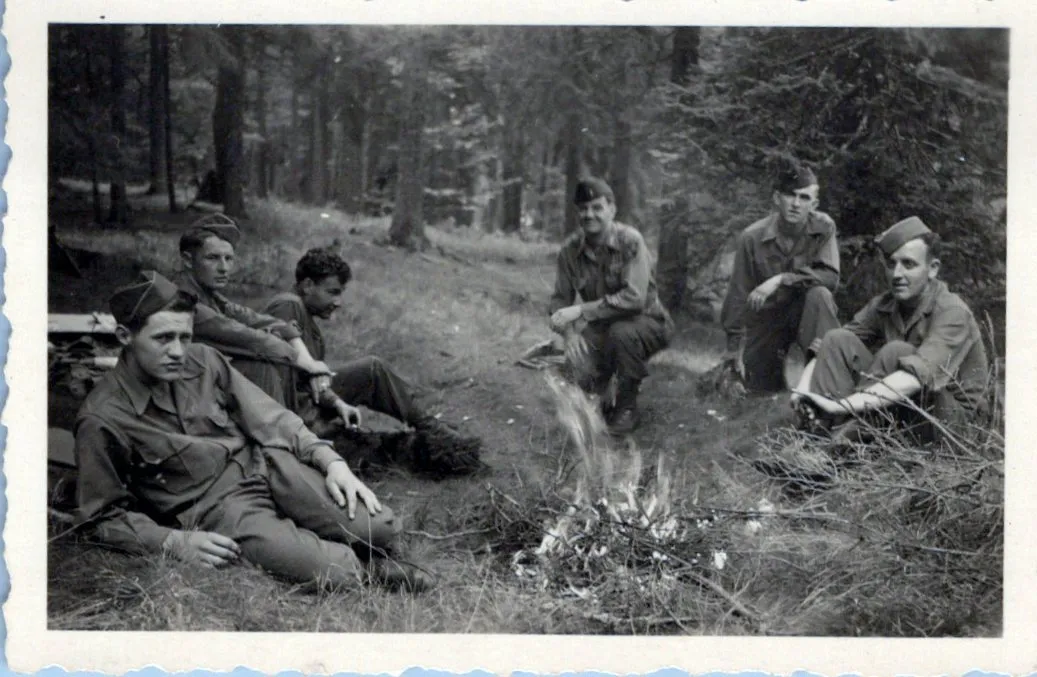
<point x="220" y="225"/>
<point x="900" y="233"/>
<point x="148" y="294"/>
<point x="794" y="177"/>
<point x="591" y="188"/>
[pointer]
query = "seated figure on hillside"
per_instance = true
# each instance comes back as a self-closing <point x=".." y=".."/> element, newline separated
<point x="917" y="341"/>
<point x="619" y="322"/>
<point x="786" y="267"/>
<point x="321" y="276"/>
<point x="178" y="452"/>
<point x="265" y="349"/>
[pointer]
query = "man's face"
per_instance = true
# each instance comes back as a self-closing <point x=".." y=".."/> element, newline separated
<point x="910" y="271"/>
<point x="160" y="345"/>
<point x="596" y="216"/>
<point x="322" y="298"/>
<point x="212" y="264"/>
<point x="796" y="206"/>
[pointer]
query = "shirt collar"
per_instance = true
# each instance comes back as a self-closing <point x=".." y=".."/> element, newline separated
<point x="127" y="374"/>
<point x="611" y="238"/>
<point x="213" y="299"/>
<point x="814" y="226"/>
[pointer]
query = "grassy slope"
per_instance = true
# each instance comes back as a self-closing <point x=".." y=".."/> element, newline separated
<point x="451" y="320"/>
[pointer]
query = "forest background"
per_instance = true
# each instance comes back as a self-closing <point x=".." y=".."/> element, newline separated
<point x="489" y="128"/>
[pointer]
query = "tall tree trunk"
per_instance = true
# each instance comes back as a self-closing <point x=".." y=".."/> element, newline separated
<point x="156" y="112"/>
<point x="620" y="173"/>
<point x="228" y="123"/>
<point x="575" y="168"/>
<point x="408" y="226"/>
<point x="167" y="117"/>
<point x="675" y="220"/>
<point x="351" y="155"/>
<point x="513" y="176"/>
<point x="118" y="209"/>
<point x="263" y="151"/>
<point x="686" y="41"/>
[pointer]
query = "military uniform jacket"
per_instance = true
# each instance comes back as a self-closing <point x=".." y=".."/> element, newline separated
<point x="950" y="354"/>
<point x="144" y="458"/>
<point x="237" y="330"/>
<point x="614" y="281"/>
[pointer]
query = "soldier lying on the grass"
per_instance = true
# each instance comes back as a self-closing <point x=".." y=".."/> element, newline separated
<point x="620" y="322"/>
<point x="320" y="278"/>
<point x="917" y="341"/>
<point x="265" y="349"/>
<point x="178" y="452"/>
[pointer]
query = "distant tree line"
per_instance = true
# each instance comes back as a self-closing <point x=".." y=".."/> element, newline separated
<point x="490" y="127"/>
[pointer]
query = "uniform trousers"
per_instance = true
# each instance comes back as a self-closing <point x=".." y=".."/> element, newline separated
<point x="623" y="347"/>
<point x="789" y="316"/>
<point x="281" y="515"/>
<point x="845" y="365"/>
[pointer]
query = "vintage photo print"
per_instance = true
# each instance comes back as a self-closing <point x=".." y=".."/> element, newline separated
<point x="544" y="338"/>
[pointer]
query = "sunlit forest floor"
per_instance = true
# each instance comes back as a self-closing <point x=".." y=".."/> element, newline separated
<point x="453" y="319"/>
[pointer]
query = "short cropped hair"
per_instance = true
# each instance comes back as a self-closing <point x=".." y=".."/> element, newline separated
<point x="932" y="246"/>
<point x="182" y="302"/>
<point x="317" y="264"/>
<point x="191" y="241"/>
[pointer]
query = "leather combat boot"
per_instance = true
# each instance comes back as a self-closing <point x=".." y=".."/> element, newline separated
<point x="442" y="451"/>
<point x="625" y="416"/>
<point x="395" y="575"/>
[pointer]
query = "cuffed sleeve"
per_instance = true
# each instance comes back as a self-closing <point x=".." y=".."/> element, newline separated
<point x="232" y="337"/>
<point x="940" y="356"/>
<point x="104" y="500"/>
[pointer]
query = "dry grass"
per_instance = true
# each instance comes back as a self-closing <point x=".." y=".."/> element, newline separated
<point x="895" y="546"/>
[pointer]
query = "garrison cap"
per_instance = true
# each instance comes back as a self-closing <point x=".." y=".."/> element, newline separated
<point x="793" y="177"/>
<point x="900" y="233"/>
<point x="145" y="296"/>
<point x="591" y="188"/>
<point x="220" y="225"/>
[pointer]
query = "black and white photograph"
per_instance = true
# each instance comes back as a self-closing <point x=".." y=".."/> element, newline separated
<point x="453" y="328"/>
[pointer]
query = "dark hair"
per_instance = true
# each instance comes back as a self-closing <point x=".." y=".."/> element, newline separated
<point x="182" y="302"/>
<point x="317" y="264"/>
<point x="932" y="246"/>
<point x="193" y="239"/>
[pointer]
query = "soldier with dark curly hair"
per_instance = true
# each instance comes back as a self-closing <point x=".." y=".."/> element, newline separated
<point x="321" y="277"/>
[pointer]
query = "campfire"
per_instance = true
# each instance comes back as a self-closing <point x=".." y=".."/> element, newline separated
<point x="617" y="529"/>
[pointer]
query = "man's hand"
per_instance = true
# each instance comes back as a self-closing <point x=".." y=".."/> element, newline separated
<point x="345" y="488"/>
<point x="206" y="547"/>
<point x="350" y="415"/>
<point x="563" y="317"/>
<point x="826" y="404"/>
<point x="312" y="366"/>
<point x="758" y="297"/>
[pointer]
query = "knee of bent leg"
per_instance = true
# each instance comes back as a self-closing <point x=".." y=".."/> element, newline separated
<point x="820" y="295"/>
<point x="384" y="528"/>
<point x="835" y="338"/>
<point x="622" y="332"/>
<point x="895" y="350"/>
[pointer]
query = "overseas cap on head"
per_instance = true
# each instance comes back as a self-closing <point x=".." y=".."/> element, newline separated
<point x="591" y="188"/>
<point x="144" y="297"/>
<point x="793" y="177"/>
<point x="900" y="233"/>
<point x="220" y="225"/>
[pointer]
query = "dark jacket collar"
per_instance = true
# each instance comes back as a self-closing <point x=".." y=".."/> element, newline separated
<point x="127" y="375"/>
